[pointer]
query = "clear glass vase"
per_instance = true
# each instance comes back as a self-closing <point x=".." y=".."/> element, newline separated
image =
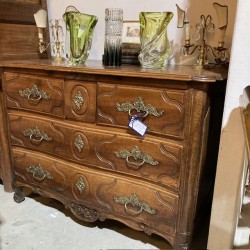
<point x="155" y="46"/>
<point x="113" y="37"/>
<point x="80" y="28"/>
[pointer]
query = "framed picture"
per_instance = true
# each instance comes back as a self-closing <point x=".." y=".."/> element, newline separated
<point x="131" y="32"/>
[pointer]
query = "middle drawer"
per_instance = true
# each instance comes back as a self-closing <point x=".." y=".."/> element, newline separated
<point x="149" y="158"/>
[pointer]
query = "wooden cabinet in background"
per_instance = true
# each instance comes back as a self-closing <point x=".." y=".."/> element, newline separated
<point x="69" y="139"/>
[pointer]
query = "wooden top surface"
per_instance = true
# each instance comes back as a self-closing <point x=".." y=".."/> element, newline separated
<point x="171" y="72"/>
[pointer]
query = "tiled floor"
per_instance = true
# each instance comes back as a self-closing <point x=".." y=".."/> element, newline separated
<point x="44" y="224"/>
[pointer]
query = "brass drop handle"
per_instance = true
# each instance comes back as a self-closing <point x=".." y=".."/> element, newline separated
<point x="131" y="211"/>
<point x="135" y="165"/>
<point x="140" y="107"/>
<point x="136" y="154"/>
<point x="34" y="94"/>
<point x="34" y="140"/>
<point x="39" y="173"/>
<point x="134" y="201"/>
<point x="36" y="136"/>
<point x="145" y="113"/>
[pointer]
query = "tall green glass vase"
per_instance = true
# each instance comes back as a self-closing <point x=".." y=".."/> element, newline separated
<point x="80" y="27"/>
<point x="155" y="46"/>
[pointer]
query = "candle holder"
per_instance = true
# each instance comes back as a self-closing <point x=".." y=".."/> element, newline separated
<point x="57" y="34"/>
<point x="203" y="31"/>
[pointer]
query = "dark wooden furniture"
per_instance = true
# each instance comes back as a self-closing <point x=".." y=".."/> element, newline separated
<point x="69" y="139"/>
<point x="18" y="40"/>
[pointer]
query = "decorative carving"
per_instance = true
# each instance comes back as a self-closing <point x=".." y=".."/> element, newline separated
<point x="80" y="184"/>
<point x="84" y="213"/>
<point x="139" y="106"/>
<point x="39" y="173"/>
<point x="78" y="100"/>
<point x="79" y="143"/>
<point x="134" y="201"/>
<point x="35" y="92"/>
<point x="136" y="154"/>
<point x="36" y="133"/>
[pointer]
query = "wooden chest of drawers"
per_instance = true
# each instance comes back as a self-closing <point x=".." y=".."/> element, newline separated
<point x="69" y="139"/>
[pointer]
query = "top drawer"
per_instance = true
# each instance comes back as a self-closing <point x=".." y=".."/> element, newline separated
<point x="41" y="94"/>
<point x="164" y="111"/>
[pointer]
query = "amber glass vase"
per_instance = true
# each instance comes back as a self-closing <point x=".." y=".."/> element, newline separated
<point x="155" y="46"/>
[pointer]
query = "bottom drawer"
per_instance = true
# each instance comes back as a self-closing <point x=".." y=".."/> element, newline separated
<point x="116" y="196"/>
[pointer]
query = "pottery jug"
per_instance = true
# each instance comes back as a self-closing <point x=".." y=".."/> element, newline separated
<point x="155" y="45"/>
<point x="80" y="27"/>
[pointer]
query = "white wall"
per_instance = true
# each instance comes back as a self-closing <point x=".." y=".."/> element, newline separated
<point x="131" y="9"/>
<point x="232" y="146"/>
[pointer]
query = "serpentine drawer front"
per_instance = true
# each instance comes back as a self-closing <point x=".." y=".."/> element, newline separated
<point x="46" y="95"/>
<point x="40" y="94"/>
<point x="152" y="159"/>
<point x="148" y="206"/>
<point x="164" y="111"/>
<point x="68" y="137"/>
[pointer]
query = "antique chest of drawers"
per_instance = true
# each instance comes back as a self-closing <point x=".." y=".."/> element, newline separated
<point x="69" y="137"/>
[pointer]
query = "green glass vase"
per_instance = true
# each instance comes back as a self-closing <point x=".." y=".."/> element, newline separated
<point x="81" y="28"/>
<point x="155" y="46"/>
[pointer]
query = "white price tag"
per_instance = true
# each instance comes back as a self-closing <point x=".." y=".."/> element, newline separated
<point x="138" y="126"/>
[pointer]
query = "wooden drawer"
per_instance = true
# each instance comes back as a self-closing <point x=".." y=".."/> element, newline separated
<point x="36" y="93"/>
<point x="166" y="111"/>
<point x="113" y="195"/>
<point x="152" y="159"/>
<point x="80" y="101"/>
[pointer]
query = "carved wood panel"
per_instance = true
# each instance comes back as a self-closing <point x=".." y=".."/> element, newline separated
<point x="40" y="94"/>
<point x="80" y="101"/>
<point x="163" y="111"/>
<point x="155" y="160"/>
<point x="148" y="207"/>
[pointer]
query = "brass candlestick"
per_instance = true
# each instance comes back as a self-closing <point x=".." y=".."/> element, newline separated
<point x="57" y="33"/>
<point x="204" y="29"/>
<point x="205" y="26"/>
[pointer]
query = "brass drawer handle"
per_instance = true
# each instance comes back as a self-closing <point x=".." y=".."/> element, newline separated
<point x="137" y="155"/>
<point x="36" y="136"/>
<point x="140" y="107"/>
<point x="134" y="202"/>
<point x="39" y="173"/>
<point x="78" y="100"/>
<point x="34" y="94"/>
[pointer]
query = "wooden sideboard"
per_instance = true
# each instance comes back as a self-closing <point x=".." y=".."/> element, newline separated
<point x="68" y="138"/>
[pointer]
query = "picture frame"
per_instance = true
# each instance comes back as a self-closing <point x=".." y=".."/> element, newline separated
<point x="131" y="32"/>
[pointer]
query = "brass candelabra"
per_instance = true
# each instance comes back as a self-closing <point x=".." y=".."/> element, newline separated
<point x="57" y="34"/>
<point x="203" y="31"/>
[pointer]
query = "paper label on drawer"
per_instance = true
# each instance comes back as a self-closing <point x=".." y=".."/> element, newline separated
<point x="138" y="126"/>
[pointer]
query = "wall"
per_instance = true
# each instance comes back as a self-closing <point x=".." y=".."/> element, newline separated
<point x="131" y="11"/>
<point x="226" y="201"/>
